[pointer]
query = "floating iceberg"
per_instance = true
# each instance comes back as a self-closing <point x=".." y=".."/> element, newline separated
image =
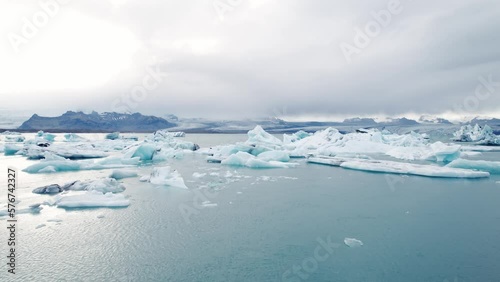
<point x="489" y="166"/>
<point x="122" y="173"/>
<point x="481" y="135"/>
<point x="353" y="243"/>
<point x="15" y="138"/>
<point x="165" y="177"/>
<point x="70" y="151"/>
<point x="93" y="199"/>
<point x="72" y="137"/>
<point x="49" y="189"/>
<point x="46" y="136"/>
<point x="11" y="149"/>
<point x="113" y="136"/>
<point x="106" y="185"/>
<point x="101" y="185"/>
<point x="248" y="160"/>
<point x="69" y="165"/>
<point x="412" y="169"/>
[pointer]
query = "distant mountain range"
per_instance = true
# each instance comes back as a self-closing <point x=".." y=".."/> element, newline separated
<point x="109" y="122"/>
<point x="95" y="122"/>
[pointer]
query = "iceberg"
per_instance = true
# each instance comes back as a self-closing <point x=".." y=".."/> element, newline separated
<point x="113" y="136"/>
<point x="164" y="176"/>
<point x="93" y="199"/>
<point x="15" y="138"/>
<point x="489" y="166"/>
<point x="412" y="169"/>
<point x="49" y="189"/>
<point x="353" y="243"/>
<point x="69" y="165"/>
<point x="481" y="135"/>
<point x="122" y="173"/>
<point x="106" y="185"/>
<point x="72" y="137"/>
<point x="11" y="149"/>
<point x="249" y="160"/>
<point x="46" y="136"/>
<point x="101" y="185"/>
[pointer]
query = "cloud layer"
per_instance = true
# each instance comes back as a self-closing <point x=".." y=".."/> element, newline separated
<point x="248" y="58"/>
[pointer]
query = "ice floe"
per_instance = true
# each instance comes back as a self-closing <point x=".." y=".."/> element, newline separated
<point x="489" y="166"/>
<point x="93" y="199"/>
<point x="164" y="176"/>
<point x="353" y="242"/>
<point x="59" y="165"/>
<point x="122" y="173"/>
<point x="413" y="169"/>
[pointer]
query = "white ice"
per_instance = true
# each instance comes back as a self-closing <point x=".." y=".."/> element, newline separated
<point x="93" y="199"/>
<point x="164" y="176"/>
<point x="489" y="166"/>
<point x="353" y="243"/>
<point x="122" y="173"/>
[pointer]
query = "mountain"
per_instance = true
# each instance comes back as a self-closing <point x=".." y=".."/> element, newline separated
<point x="400" y="122"/>
<point x="426" y="119"/>
<point x="95" y="122"/>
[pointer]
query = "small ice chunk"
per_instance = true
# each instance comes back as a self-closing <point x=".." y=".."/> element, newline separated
<point x="122" y="173"/>
<point x="100" y="216"/>
<point x="49" y="189"/>
<point x="54" y="220"/>
<point x="199" y="175"/>
<point x="353" y="243"/>
<point x="208" y="204"/>
<point x="166" y="177"/>
<point x="40" y="226"/>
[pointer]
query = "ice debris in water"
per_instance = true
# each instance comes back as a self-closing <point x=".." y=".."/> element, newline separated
<point x="353" y="243"/>
<point x="199" y="175"/>
<point x="164" y="176"/>
<point x="93" y="199"/>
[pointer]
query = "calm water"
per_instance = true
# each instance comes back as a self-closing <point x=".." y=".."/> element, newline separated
<point x="268" y="225"/>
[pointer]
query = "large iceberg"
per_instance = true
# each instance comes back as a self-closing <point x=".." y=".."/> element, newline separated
<point x="482" y="135"/>
<point x="412" y="169"/>
<point x="164" y="176"/>
<point x="59" y="165"/>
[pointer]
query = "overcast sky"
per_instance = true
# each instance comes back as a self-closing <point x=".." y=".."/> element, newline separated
<point x="249" y="58"/>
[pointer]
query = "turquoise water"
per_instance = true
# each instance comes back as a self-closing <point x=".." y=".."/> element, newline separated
<point x="268" y="225"/>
